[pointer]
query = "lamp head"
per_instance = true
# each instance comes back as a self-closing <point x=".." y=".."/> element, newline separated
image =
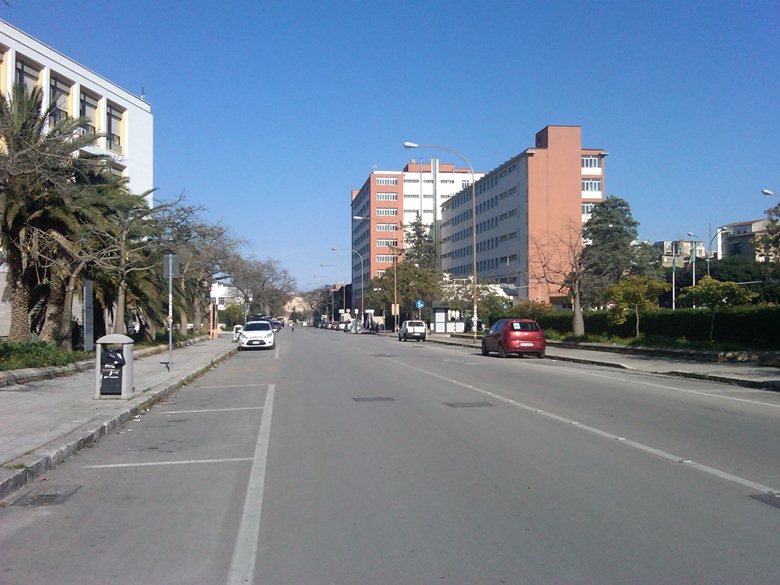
<point x="767" y="192"/>
<point x="409" y="145"/>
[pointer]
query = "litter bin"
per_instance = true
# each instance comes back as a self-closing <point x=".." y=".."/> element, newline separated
<point x="114" y="367"/>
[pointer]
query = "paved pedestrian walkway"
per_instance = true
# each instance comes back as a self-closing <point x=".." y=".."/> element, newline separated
<point x="43" y="422"/>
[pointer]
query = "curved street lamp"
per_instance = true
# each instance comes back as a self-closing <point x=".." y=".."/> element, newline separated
<point x="407" y="145"/>
<point x="767" y="192"/>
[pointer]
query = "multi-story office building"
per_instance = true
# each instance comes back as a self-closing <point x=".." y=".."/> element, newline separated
<point x="534" y="203"/>
<point x="390" y="201"/>
<point x="124" y="120"/>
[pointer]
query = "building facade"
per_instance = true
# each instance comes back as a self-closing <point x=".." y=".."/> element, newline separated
<point x="529" y="206"/>
<point x="388" y="203"/>
<point x="124" y="119"/>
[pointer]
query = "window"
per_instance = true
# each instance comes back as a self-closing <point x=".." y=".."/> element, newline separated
<point x="60" y="92"/>
<point x="386" y="243"/>
<point x="88" y="110"/>
<point x="386" y="227"/>
<point x="384" y="257"/>
<point x="386" y="211"/>
<point x="387" y="196"/>
<point x="113" y="128"/>
<point x="26" y="75"/>
<point x="386" y="181"/>
<point x="591" y="184"/>
<point x="587" y="208"/>
<point x="590" y="161"/>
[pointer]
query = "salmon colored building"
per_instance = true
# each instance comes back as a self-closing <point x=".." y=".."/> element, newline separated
<point x="529" y="215"/>
<point x="389" y="202"/>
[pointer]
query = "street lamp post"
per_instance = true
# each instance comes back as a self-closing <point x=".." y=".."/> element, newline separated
<point x="718" y="231"/>
<point x="474" y="318"/>
<point x="693" y="254"/>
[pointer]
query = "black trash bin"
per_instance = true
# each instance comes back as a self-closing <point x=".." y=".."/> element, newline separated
<point x="114" y="367"/>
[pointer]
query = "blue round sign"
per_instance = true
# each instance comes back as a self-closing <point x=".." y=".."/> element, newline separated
<point x="419" y="304"/>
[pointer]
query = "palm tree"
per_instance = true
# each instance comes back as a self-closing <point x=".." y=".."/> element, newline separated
<point x="38" y="172"/>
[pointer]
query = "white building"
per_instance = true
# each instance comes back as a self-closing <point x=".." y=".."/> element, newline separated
<point x="125" y="119"/>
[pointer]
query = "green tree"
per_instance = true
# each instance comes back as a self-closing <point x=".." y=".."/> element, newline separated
<point x="529" y="309"/>
<point x="768" y="243"/>
<point x="646" y="261"/>
<point x="38" y="173"/>
<point x="634" y="293"/>
<point x="715" y="295"/>
<point x="609" y="252"/>
<point x="419" y="247"/>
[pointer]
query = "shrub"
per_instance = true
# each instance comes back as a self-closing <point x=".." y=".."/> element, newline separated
<point x="15" y="355"/>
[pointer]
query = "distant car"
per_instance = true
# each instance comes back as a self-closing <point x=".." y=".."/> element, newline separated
<point x="413" y="330"/>
<point x="519" y="336"/>
<point x="277" y="325"/>
<point x="257" y="334"/>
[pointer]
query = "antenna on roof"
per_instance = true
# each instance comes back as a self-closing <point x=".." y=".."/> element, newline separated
<point x="143" y="93"/>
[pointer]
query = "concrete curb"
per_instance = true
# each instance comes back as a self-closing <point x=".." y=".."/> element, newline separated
<point x="25" y="469"/>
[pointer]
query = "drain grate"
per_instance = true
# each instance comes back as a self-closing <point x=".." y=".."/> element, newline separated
<point x="468" y="404"/>
<point x="771" y="499"/>
<point x="46" y="496"/>
<point x="374" y="399"/>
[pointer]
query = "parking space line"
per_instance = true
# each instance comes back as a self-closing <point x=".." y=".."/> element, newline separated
<point x="242" y="565"/>
<point x="157" y="463"/>
<point x="225" y="386"/>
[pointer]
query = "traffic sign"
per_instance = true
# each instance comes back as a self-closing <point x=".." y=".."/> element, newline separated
<point x="419" y="303"/>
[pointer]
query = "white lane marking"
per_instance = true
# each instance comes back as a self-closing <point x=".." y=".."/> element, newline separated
<point x="242" y="565"/>
<point x="640" y="446"/>
<point x="226" y="386"/>
<point x="212" y="410"/>
<point x="276" y="352"/>
<point x="674" y="389"/>
<point x="157" y="463"/>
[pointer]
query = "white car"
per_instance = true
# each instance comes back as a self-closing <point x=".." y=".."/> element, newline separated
<point x="257" y="334"/>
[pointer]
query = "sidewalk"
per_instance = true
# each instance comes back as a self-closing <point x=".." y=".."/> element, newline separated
<point x="747" y="374"/>
<point x="44" y="422"/>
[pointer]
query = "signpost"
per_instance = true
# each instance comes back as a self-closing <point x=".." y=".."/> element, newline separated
<point x="170" y="269"/>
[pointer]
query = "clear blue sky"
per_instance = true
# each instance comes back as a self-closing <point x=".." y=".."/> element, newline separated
<point x="269" y="113"/>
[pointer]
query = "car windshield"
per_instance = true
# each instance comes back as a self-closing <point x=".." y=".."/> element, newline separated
<point x="258" y="326"/>
<point x="524" y="326"/>
<point x="415" y="324"/>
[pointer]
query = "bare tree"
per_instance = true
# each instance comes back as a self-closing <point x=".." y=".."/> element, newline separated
<point x="559" y="264"/>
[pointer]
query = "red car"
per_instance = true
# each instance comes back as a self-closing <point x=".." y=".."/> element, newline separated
<point x="520" y="336"/>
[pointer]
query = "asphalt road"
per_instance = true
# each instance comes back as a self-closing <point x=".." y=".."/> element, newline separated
<point x="356" y="459"/>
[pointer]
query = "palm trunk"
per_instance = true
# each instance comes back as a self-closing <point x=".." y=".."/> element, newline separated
<point x="54" y="307"/>
<point x="20" y="310"/>
<point x="64" y="338"/>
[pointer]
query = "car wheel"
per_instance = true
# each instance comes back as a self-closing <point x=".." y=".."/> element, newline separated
<point x="501" y="352"/>
<point x="484" y="349"/>
<point x="240" y="348"/>
<point x="399" y="338"/>
<point x="541" y="354"/>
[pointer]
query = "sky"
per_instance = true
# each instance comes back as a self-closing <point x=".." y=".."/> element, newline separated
<point x="268" y="114"/>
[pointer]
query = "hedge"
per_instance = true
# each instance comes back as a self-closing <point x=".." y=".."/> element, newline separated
<point x="755" y="326"/>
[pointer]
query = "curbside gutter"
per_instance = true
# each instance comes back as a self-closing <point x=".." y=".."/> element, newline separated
<point x="15" y="474"/>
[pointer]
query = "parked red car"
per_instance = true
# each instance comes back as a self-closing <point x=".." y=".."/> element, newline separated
<point x="520" y="336"/>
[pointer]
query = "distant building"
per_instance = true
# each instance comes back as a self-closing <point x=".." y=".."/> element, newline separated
<point x="678" y="252"/>
<point x="542" y="195"/>
<point x="739" y="239"/>
<point x="392" y="200"/>
<point x="124" y="119"/>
